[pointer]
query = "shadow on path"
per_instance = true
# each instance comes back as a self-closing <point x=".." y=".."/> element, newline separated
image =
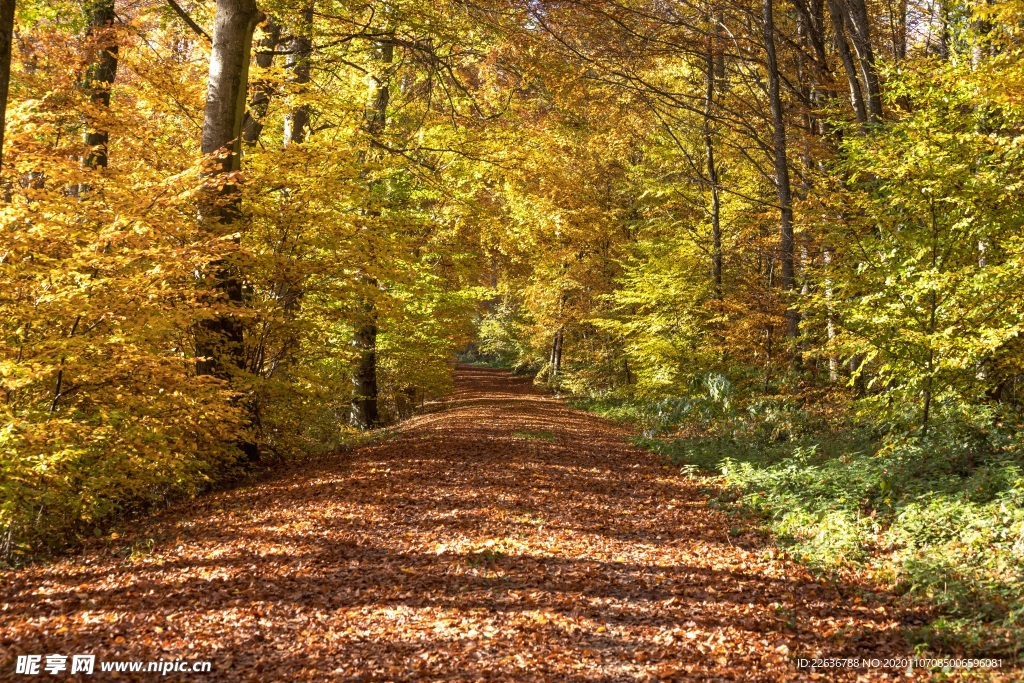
<point x="465" y="548"/>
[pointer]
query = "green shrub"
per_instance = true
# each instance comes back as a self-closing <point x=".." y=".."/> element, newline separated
<point x="941" y="520"/>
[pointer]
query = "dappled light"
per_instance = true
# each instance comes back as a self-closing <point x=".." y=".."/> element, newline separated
<point x="455" y="550"/>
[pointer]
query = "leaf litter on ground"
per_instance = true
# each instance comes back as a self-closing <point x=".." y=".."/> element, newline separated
<point x="458" y="550"/>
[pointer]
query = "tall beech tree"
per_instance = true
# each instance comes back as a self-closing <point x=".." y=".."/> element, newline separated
<point x="219" y="341"/>
<point x="784" y="192"/>
<point x="365" y="413"/>
<point x="839" y="33"/>
<point x="860" y="33"/>
<point x="711" y="77"/>
<point x="262" y="88"/>
<point x="300" y="50"/>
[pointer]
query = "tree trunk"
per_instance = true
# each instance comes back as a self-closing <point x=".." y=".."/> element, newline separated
<point x="234" y="23"/>
<point x="296" y="122"/>
<point x="830" y="321"/>
<point x="364" y="403"/>
<point x="857" y="13"/>
<point x="783" y="190"/>
<point x="380" y="90"/>
<point x="835" y="10"/>
<point x="6" y="40"/>
<point x="898" y="26"/>
<point x="821" y="88"/>
<point x="944" y="38"/>
<point x="252" y="127"/>
<point x="219" y="340"/>
<point x="219" y="349"/>
<point x="100" y="76"/>
<point x="712" y="170"/>
<point x="556" y="352"/>
<point x="365" y="414"/>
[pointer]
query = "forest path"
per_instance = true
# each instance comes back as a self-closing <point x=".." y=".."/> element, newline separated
<point x="505" y="536"/>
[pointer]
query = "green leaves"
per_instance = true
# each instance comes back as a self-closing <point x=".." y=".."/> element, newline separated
<point x="929" y="284"/>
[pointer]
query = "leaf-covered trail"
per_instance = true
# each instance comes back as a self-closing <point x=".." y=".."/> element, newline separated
<point x="503" y="537"/>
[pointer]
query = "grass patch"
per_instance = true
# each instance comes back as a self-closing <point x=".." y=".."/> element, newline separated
<point x="616" y="409"/>
<point x="536" y="435"/>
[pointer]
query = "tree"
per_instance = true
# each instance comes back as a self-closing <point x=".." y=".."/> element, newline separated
<point x="219" y="341"/>
<point x="781" y="160"/>
<point x="6" y="41"/>
<point x="296" y="122"/>
<point x="252" y="126"/>
<point x="365" y="414"/>
<point x="100" y="75"/>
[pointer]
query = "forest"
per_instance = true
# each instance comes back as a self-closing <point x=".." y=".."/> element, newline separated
<point x="780" y="240"/>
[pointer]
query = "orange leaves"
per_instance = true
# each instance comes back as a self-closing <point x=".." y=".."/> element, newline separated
<point x="457" y="565"/>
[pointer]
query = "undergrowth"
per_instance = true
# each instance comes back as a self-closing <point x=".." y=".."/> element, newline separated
<point x="939" y="519"/>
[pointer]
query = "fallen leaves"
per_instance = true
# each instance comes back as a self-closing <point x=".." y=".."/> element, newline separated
<point x="455" y="551"/>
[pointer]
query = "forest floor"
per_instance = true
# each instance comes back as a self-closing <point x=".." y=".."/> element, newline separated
<point x="500" y="536"/>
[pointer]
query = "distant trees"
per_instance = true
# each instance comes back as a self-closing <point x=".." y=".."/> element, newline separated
<point x="757" y="208"/>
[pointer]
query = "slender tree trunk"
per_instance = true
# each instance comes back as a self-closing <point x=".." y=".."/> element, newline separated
<point x="6" y="41"/>
<point x="830" y="321"/>
<point x="100" y="76"/>
<point x="807" y="82"/>
<point x="712" y="169"/>
<point x="785" y="196"/>
<point x="252" y="126"/>
<point x="380" y="90"/>
<point x="857" y="13"/>
<point x="837" y="14"/>
<point x="296" y="121"/>
<point x="898" y="26"/>
<point x="365" y="414"/>
<point x="943" y="47"/>
<point x="926" y="408"/>
<point x="219" y="340"/>
<point x="556" y="352"/>
<point x="933" y="307"/>
<point x="981" y="47"/>
<point x="820" y="75"/>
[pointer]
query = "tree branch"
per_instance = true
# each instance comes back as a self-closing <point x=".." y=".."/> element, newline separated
<point x="189" y="21"/>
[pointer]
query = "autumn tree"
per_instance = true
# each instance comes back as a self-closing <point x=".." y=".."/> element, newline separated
<point x="6" y="39"/>
<point x="219" y="341"/>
